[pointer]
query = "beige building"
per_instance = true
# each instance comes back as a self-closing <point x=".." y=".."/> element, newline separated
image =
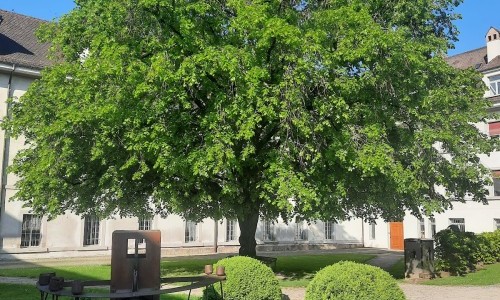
<point x="22" y="58"/>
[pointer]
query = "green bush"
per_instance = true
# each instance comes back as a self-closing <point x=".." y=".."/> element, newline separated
<point x="456" y="252"/>
<point x="246" y="278"/>
<point x="494" y="243"/>
<point x="348" y="280"/>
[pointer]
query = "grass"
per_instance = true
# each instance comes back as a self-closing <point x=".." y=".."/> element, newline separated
<point x="28" y="292"/>
<point x="293" y="271"/>
<point x="398" y="269"/>
<point x="488" y="276"/>
<point x="298" y="270"/>
<point x="87" y="272"/>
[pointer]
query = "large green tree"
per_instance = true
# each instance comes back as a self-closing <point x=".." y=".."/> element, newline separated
<point x="245" y="108"/>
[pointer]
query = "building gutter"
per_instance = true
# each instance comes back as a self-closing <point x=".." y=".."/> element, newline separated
<point x="14" y="69"/>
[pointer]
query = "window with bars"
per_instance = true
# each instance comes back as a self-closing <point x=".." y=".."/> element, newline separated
<point x="460" y="222"/>
<point x="31" y="231"/>
<point x="432" y="223"/>
<point x="268" y="231"/>
<point x="329" y="230"/>
<point x="497" y="224"/>
<point x="300" y="230"/>
<point x="91" y="231"/>
<point x="190" y="232"/>
<point x="144" y="224"/>
<point x="421" y="228"/>
<point x="230" y="230"/>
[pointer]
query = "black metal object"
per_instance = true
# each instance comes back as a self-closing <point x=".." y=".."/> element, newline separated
<point x="56" y="284"/>
<point x="419" y="258"/>
<point x="44" y="278"/>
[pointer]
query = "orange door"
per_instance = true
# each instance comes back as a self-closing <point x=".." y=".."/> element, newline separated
<point x="397" y="236"/>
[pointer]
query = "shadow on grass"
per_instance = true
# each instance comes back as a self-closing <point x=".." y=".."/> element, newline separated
<point x="398" y="269"/>
<point x="304" y="267"/>
<point x="185" y="267"/>
<point x="86" y="272"/>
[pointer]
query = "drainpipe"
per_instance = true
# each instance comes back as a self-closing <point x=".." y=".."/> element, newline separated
<point x="5" y="152"/>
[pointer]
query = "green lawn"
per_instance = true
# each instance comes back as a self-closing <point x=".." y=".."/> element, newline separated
<point x="296" y="270"/>
<point x="28" y="292"/>
<point x="398" y="269"/>
<point x="488" y="276"/>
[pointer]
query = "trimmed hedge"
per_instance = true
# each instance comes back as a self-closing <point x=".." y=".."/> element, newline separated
<point x="353" y="281"/>
<point x="246" y="278"/>
<point x="494" y="244"/>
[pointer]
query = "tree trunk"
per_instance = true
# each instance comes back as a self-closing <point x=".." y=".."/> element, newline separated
<point x="248" y="226"/>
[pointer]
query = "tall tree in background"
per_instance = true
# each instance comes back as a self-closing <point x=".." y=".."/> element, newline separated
<point x="318" y="109"/>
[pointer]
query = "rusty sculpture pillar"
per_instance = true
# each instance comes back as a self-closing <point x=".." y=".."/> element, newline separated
<point x="135" y="267"/>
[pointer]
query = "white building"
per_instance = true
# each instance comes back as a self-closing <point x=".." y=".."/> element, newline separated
<point x="469" y="216"/>
<point x="22" y="58"/>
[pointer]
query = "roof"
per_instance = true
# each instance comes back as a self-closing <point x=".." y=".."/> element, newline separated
<point x="476" y="59"/>
<point x="18" y="43"/>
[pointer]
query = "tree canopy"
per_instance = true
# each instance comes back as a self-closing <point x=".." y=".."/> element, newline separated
<point x="211" y="108"/>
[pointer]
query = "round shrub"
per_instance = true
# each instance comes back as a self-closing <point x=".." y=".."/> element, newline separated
<point x="352" y="281"/>
<point x="246" y="278"/>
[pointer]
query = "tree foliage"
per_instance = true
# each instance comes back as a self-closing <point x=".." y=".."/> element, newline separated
<point x="322" y="109"/>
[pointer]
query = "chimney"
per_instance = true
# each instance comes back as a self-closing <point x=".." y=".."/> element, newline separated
<point x="493" y="43"/>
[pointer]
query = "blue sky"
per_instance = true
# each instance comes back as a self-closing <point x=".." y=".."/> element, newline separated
<point x="478" y="16"/>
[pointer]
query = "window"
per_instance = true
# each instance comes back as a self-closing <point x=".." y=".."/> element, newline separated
<point x="494" y="85"/>
<point x="494" y="128"/>
<point x="421" y="228"/>
<point x="268" y="232"/>
<point x="91" y="231"/>
<point x="460" y="222"/>
<point x="497" y="224"/>
<point x="300" y="231"/>
<point x="190" y="232"/>
<point x="230" y="230"/>
<point x="432" y="222"/>
<point x="496" y="183"/>
<point x="329" y="230"/>
<point x="144" y="224"/>
<point x="372" y="230"/>
<point x="30" y="233"/>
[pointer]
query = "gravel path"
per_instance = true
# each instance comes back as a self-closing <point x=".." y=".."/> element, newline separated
<point x="426" y="292"/>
